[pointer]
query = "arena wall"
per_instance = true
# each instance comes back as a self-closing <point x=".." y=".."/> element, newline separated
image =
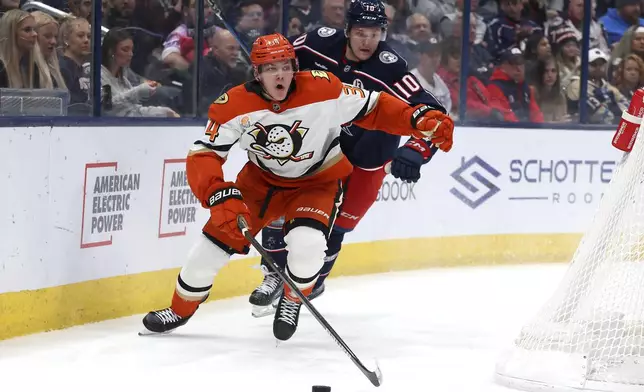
<point x="96" y="221"/>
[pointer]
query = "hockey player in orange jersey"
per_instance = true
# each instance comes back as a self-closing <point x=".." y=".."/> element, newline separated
<point x="289" y="122"/>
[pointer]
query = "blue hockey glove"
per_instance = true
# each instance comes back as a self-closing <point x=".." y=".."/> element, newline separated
<point x="406" y="163"/>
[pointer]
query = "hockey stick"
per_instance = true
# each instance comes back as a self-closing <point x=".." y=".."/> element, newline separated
<point x="217" y="11"/>
<point x="374" y="376"/>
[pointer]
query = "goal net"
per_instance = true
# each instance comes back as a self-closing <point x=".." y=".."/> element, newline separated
<point x="589" y="336"/>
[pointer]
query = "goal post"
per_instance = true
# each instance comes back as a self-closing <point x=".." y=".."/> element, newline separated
<point x="589" y="336"/>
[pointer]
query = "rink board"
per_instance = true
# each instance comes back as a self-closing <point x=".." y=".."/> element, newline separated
<point x="97" y="221"/>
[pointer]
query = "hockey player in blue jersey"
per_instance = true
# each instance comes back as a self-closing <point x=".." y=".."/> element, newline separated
<point x="358" y="56"/>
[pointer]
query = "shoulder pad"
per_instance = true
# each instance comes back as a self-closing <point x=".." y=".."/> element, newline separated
<point x="323" y="37"/>
<point x="387" y="55"/>
<point x="326" y="32"/>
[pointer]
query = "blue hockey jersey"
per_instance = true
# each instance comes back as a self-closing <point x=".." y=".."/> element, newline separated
<point x="324" y="49"/>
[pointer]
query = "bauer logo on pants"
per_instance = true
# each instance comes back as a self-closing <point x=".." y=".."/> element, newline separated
<point x="179" y="206"/>
<point x="108" y="195"/>
<point x="473" y="176"/>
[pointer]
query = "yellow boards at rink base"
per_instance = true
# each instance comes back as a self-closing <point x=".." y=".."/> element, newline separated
<point x="96" y="221"/>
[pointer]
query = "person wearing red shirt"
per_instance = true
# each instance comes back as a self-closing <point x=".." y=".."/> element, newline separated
<point x="509" y="91"/>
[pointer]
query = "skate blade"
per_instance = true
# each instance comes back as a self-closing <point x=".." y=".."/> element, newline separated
<point x="262" y="311"/>
<point x="146" y="332"/>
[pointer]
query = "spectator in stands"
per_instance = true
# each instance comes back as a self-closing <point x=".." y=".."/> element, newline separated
<point x="418" y="30"/>
<point x="119" y="13"/>
<point x="537" y="48"/>
<point x="534" y="10"/>
<point x="250" y="22"/>
<point x="74" y="38"/>
<point x="510" y="93"/>
<point x="394" y="43"/>
<point x="434" y="10"/>
<point x="22" y="64"/>
<point x="566" y="50"/>
<point x="481" y="62"/>
<point x="478" y="97"/>
<point x="508" y="28"/>
<point x="398" y="21"/>
<point x="295" y="26"/>
<point x="632" y="42"/>
<point x="573" y="21"/>
<point x="430" y="60"/>
<point x="305" y="13"/>
<point x="629" y="75"/>
<point x="47" y="29"/>
<point x="272" y="15"/>
<point x="450" y="23"/>
<point x="547" y="91"/>
<point x="141" y="24"/>
<point x="333" y="12"/>
<point x="157" y="17"/>
<point x="127" y="101"/>
<point x="177" y="45"/>
<point x="605" y="102"/>
<point x="81" y="9"/>
<point x="7" y="5"/>
<point x="220" y="71"/>
<point x="618" y="20"/>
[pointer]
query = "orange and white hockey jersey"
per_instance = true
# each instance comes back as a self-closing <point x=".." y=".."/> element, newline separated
<point x="296" y="141"/>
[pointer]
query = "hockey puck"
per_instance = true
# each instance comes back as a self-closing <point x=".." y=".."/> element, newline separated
<point x="321" y="388"/>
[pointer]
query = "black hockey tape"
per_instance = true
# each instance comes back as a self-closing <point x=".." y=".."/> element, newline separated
<point x="224" y="194"/>
<point x="418" y="113"/>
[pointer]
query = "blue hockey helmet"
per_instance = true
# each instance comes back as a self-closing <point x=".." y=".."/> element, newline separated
<point x="368" y="13"/>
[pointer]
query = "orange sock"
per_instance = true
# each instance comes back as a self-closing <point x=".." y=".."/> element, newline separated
<point x="184" y="307"/>
<point x="289" y="293"/>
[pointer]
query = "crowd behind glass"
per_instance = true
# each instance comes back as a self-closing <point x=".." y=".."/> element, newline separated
<point x="524" y="56"/>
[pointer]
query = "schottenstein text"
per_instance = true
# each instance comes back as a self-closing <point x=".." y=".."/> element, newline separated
<point x="580" y="173"/>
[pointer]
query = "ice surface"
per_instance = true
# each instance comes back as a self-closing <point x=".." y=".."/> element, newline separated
<point x="433" y="330"/>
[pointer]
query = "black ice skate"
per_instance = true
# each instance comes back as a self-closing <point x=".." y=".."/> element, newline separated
<point x="286" y="317"/>
<point x="264" y="298"/>
<point x="162" y="321"/>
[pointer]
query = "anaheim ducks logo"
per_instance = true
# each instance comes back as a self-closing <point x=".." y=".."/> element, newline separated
<point x="279" y="142"/>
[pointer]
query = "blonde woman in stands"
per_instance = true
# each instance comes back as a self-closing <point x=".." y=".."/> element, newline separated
<point x="47" y="29"/>
<point x="632" y="42"/>
<point x="127" y="101"/>
<point x="22" y="65"/>
<point x="74" y="39"/>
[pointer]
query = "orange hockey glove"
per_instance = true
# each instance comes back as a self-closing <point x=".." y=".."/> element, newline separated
<point x="225" y="204"/>
<point x="434" y="125"/>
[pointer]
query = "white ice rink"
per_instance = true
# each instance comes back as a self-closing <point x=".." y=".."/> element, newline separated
<point x="434" y="330"/>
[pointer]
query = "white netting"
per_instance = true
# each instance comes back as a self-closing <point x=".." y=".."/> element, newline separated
<point x="590" y="334"/>
<point x="33" y="102"/>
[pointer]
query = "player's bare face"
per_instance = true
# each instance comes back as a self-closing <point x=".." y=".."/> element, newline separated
<point x="276" y="78"/>
<point x="363" y="42"/>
